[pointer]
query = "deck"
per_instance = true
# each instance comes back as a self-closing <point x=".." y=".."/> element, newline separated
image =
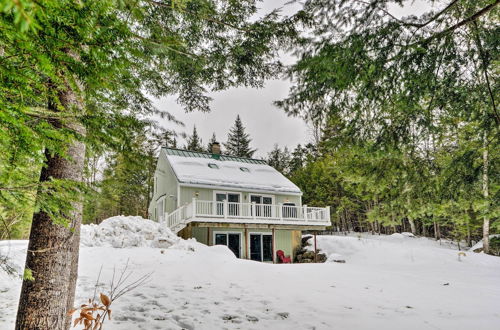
<point x="220" y="212"/>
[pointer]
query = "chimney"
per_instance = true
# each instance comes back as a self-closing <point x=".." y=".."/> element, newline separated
<point x="216" y="148"/>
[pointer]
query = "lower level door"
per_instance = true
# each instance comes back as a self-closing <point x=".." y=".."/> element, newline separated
<point x="261" y="247"/>
<point x="232" y="241"/>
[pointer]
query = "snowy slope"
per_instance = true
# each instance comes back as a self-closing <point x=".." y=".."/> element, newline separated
<point x="387" y="282"/>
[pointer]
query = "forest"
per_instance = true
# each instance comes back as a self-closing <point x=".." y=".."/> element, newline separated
<point x="404" y="112"/>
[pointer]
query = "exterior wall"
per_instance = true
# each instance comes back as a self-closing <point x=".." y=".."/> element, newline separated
<point x="188" y="193"/>
<point x="200" y="234"/>
<point x="165" y="188"/>
<point x="296" y="241"/>
<point x="284" y="239"/>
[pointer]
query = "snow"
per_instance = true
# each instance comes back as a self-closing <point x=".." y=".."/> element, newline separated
<point x="479" y="245"/>
<point x="121" y="232"/>
<point x="387" y="282"/>
<point x="262" y="177"/>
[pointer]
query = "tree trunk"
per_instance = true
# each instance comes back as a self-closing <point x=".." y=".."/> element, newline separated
<point x="412" y="226"/>
<point x="53" y="249"/>
<point x="484" y="64"/>
<point x="486" y="219"/>
<point x="437" y="232"/>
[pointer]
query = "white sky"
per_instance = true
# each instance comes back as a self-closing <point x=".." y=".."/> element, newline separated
<point x="266" y="124"/>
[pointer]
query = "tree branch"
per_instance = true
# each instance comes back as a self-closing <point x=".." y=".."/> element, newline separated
<point x="469" y="19"/>
<point x="485" y="71"/>
<point x="210" y="19"/>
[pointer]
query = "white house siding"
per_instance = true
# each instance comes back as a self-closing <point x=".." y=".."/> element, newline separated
<point x="166" y="187"/>
<point x="188" y="193"/>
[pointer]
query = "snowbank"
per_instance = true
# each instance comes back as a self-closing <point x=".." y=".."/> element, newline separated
<point x="129" y="232"/>
<point x="479" y="245"/>
<point x="387" y="282"/>
<point x="123" y="232"/>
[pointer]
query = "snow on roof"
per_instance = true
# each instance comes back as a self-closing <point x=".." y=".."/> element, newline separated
<point x="233" y="172"/>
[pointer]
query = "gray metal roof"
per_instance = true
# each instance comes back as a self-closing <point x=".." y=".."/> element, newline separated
<point x="198" y="154"/>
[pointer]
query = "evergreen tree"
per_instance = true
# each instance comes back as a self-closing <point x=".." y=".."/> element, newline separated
<point x="167" y="139"/>
<point x="407" y="110"/>
<point x="279" y="159"/>
<point x="297" y="159"/>
<point x="238" y="142"/>
<point x="194" y="142"/>
<point x="78" y="73"/>
<point x="211" y="142"/>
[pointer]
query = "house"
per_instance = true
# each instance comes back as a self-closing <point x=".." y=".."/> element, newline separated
<point x="239" y="202"/>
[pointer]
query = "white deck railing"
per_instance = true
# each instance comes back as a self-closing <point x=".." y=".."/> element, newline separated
<point x="213" y="211"/>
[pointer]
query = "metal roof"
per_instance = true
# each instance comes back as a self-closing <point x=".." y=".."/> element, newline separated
<point x="198" y="154"/>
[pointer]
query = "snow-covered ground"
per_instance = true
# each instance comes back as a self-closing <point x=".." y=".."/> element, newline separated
<point x="387" y="282"/>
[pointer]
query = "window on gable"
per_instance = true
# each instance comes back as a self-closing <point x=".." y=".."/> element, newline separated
<point x="212" y="165"/>
<point x="244" y="169"/>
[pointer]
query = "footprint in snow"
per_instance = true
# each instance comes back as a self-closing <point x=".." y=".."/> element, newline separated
<point x="231" y="318"/>
<point x="283" y="315"/>
<point x="252" y="319"/>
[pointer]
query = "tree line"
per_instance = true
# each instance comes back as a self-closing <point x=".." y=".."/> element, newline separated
<point x="404" y="110"/>
<point x="121" y="181"/>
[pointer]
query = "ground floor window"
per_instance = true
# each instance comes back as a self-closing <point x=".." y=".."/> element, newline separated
<point x="261" y="247"/>
<point x="231" y="240"/>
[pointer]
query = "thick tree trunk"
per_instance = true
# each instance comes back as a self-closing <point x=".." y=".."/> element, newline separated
<point x="53" y="249"/>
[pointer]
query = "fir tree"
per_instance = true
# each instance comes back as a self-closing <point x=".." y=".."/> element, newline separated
<point x="238" y="142"/>
<point x="211" y="142"/>
<point x="194" y="142"/>
<point x="298" y="158"/>
<point x="279" y="159"/>
<point x="168" y="139"/>
<point x="79" y="73"/>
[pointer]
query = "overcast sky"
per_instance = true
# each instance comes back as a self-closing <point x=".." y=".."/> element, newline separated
<point x="266" y="124"/>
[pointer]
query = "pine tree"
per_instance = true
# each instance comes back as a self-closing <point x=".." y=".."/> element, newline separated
<point x="79" y="73"/>
<point x="211" y="142"/>
<point x="298" y="159"/>
<point x="194" y="142"/>
<point x="279" y="159"/>
<point x="238" y="142"/>
<point x="168" y="139"/>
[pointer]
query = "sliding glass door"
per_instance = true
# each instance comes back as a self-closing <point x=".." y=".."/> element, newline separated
<point x="231" y="240"/>
<point x="233" y="200"/>
<point x="261" y="247"/>
<point x="263" y="206"/>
